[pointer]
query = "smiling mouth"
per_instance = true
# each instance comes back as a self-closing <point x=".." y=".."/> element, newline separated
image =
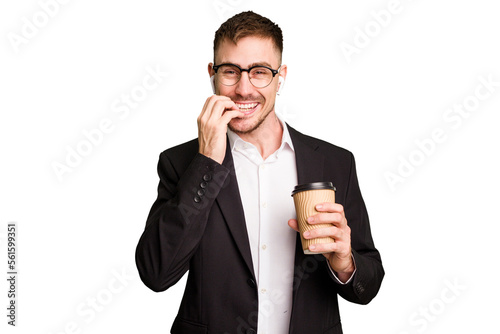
<point x="247" y="107"/>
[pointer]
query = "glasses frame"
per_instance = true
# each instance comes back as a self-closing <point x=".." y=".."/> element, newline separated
<point x="216" y="67"/>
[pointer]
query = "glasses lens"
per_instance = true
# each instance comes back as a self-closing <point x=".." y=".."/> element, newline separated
<point x="261" y="76"/>
<point x="229" y="74"/>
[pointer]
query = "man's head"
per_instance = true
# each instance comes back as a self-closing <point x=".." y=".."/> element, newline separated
<point x="247" y="24"/>
<point x="248" y="40"/>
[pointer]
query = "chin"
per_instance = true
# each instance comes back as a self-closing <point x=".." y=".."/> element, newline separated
<point x="241" y="126"/>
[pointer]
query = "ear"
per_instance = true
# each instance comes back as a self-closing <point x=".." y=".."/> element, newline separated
<point x="211" y="71"/>
<point x="281" y="84"/>
<point x="282" y="76"/>
<point x="212" y="82"/>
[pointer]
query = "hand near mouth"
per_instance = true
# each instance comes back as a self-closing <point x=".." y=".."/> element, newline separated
<point x="216" y="114"/>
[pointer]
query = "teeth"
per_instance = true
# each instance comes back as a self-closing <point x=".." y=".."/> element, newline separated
<point x="246" y="106"/>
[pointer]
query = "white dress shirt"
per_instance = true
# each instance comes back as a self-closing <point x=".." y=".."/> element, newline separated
<point x="265" y="189"/>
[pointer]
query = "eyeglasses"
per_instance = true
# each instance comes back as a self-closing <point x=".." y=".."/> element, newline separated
<point x="260" y="76"/>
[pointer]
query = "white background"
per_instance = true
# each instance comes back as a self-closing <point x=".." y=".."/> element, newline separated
<point x="75" y="235"/>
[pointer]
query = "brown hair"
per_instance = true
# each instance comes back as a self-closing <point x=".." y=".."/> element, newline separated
<point x="248" y="24"/>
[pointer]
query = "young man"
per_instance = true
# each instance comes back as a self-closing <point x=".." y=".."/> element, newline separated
<point x="224" y="210"/>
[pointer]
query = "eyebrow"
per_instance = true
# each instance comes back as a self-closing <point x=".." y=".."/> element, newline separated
<point x="261" y="63"/>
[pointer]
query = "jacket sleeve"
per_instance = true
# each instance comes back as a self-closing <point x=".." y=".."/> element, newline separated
<point x="367" y="279"/>
<point x="177" y="219"/>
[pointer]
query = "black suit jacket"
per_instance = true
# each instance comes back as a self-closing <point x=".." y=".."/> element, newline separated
<point x="197" y="224"/>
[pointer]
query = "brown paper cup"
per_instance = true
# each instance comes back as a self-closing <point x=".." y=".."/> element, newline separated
<point x="306" y="197"/>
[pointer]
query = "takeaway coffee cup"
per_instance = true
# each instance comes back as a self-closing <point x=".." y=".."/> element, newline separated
<point x="306" y="197"/>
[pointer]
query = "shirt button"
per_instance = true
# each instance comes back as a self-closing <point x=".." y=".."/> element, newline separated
<point x="262" y="166"/>
<point x="264" y="205"/>
<point x="263" y="290"/>
<point x="264" y="247"/>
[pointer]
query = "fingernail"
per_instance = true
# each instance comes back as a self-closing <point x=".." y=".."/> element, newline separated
<point x="310" y="219"/>
<point x="312" y="247"/>
<point x="319" y="206"/>
<point x="307" y="233"/>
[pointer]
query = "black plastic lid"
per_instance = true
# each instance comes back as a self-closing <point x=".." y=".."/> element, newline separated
<point x="313" y="186"/>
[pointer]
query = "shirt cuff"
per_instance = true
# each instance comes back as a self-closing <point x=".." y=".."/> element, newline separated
<point x="335" y="274"/>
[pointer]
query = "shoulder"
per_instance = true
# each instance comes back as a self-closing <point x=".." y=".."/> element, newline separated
<point x="189" y="146"/>
<point x="181" y="154"/>
<point x="321" y="146"/>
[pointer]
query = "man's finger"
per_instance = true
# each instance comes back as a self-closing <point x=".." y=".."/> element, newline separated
<point x="329" y="207"/>
<point x="330" y="247"/>
<point x="326" y="218"/>
<point x="293" y="224"/>
<point x="217" y="107"/>
<point x="210" y="105"/>
<point x="229" y="114"/>
<point x="332" y="232"/>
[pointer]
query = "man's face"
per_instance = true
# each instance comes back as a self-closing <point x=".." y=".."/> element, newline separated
<point x="256" y="103"/>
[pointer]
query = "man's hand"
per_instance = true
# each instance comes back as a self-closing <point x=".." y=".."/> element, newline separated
<point x="338" y="253"/>
<point x="217" y="112"/>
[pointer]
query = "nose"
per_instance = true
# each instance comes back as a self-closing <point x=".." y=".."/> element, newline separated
<point x="244" y="86"/>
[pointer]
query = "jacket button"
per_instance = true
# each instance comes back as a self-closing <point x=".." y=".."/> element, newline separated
<point x="207" y="177"/>
<point x="360" y="288"/>
<point x="201" y="192"/>
<point x="251" y="282"/>
<point x="203" y="184"/>
<point x="197" y="199"/>
<point x="251" y="331"/>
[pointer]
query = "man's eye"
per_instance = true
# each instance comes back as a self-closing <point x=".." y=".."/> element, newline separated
<point x="260" y="72"/>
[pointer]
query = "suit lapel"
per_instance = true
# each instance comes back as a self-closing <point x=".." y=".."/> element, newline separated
<point x="309" y="162"/>
<point x="310" y="168"/>
<point x="229" y="202"/>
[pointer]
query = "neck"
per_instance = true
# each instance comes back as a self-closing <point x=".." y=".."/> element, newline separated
<point x="267" y="137"/>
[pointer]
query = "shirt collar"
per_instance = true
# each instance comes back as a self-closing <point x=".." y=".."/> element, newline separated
<point x="286" y="140"/>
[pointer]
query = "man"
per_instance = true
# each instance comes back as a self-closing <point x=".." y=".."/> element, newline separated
<point x="224" y="210"/>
